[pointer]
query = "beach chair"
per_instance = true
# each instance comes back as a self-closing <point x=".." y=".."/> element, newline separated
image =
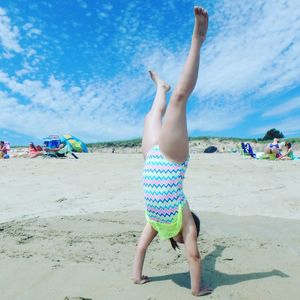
<point x="247" y="150"/>
<point x="54" y="141"/>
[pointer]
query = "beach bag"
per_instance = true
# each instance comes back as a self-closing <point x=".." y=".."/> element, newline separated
<point x="210" y="149"/>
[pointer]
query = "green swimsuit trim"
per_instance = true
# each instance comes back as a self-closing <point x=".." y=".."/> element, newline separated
<point x="166" y="231"/>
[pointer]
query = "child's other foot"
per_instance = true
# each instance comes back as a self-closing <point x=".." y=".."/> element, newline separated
<point x="201" y="22"/>
<point x="158" y="81"/>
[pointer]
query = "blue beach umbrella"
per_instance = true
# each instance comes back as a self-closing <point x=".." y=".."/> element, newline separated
<point x="75" y="143"/>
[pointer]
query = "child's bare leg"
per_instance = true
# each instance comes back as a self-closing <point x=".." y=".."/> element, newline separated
<point x="146" y="238"/>
<point x="173" y="140"/>
<point x="153" y="120"/>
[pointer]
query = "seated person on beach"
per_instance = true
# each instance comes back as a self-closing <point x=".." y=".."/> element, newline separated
<point x="289" y="152"/>
<point x="273" y="148"/>
<point x="60" y="151"/>
<point x="35" y="151"/>
<point x="3" y="150"/>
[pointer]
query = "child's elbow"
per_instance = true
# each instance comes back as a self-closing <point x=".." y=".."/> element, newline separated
<point x="194" y="257"/>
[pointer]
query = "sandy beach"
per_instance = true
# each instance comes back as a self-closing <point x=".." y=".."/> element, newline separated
<point x="69" y="228"/>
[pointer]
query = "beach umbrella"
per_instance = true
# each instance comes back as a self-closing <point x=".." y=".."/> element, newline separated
<point x="76" y="144"/>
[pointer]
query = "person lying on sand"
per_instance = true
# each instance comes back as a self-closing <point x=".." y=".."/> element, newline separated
<point x="35" y="151"/>
<point x="166" y="150"/>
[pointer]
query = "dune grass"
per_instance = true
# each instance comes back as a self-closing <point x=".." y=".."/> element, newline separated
<point x="117" y="144"/>
<point x="137" y="142"/>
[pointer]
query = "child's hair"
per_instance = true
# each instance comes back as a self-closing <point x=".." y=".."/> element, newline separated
<point x="197" y="223"/>
<point x="32" y="145"/>
<point x="289" y="145"/>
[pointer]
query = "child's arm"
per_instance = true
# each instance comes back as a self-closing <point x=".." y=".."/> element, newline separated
<point x="286" y="154"/>
<point x="146" y="238"/>
<point x="193" y="256"/>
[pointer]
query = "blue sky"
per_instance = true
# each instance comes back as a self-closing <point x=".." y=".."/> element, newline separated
<point x="81" y="66"/>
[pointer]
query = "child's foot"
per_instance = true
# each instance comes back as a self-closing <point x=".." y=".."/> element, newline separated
<point x="159" y="82"/>
<point x="201" y="22"/>
<point x="144" y="279"/>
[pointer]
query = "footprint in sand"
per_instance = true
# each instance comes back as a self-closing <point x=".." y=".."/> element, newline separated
<point x="61" y="199"/>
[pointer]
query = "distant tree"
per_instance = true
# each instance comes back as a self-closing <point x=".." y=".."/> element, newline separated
<point x="273" y="133"/>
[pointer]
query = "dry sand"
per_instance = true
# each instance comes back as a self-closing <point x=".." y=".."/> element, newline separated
<point x="69" y="229"/>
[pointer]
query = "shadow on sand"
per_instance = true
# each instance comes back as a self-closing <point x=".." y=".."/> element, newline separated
<point x="212" y="277"/>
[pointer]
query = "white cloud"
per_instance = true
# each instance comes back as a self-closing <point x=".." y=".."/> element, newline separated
<point x="217" y="119"/>
<point x="108" y="6"/>
<point x="27" y="26"/>
<point x="25" y="70"/>
<point x="284" y="108"/>
<point x="288" y="126"/>
<point x="31" y="52"/>
<point x="252" y="51"/>
<point x="33" y="32"/>
<point x="97" y="111"/>
<point x="102" y="15"/>
<point x="255" y="50"/>
<point x="8" y="34"/>
<point x="82" y="4"/>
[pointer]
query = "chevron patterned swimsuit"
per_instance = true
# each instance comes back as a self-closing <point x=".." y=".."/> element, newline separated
<point x="163" y="193"/>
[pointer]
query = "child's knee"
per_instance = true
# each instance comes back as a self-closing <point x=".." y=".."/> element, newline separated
<point x="156" y="113"/>
<point x="179" y="96"/>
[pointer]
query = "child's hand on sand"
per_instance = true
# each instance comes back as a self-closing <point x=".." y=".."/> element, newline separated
<point x="201" y="22"/>
<point x="203" y="292"/>
<point x="144" y="279"/>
